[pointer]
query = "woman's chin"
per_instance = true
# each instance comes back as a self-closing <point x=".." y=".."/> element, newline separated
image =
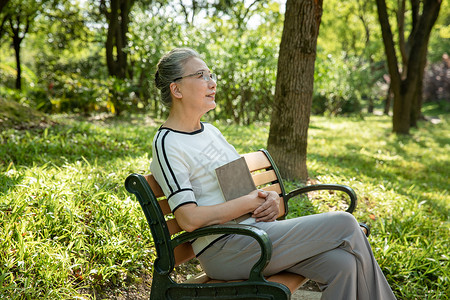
<point x="211" y="105"/>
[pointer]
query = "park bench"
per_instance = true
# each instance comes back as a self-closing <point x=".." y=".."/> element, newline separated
<point x="173" y="247"/>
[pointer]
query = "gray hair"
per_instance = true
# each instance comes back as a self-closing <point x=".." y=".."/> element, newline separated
<point x="169" y="67"/>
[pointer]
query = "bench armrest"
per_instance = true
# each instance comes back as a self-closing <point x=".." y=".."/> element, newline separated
<point x="337" y="187"/>
<point x="258" y="234"/>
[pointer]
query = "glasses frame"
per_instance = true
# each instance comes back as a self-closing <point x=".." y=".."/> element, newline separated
<point x="206" y="77"/>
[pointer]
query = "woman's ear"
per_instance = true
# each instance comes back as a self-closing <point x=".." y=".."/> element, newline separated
<point x="175" y="90"/>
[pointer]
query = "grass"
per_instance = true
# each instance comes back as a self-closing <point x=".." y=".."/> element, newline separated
<point x="69" y="230"/>
<point x="13" y="114"/>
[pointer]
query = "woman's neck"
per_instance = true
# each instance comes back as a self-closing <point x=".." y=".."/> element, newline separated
<point x="182" y="122"/>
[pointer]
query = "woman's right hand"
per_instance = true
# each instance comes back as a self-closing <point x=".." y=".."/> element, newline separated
<point x="268" y="210"/>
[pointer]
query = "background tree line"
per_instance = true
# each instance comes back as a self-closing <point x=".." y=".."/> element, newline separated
<point x="91" y="56"/>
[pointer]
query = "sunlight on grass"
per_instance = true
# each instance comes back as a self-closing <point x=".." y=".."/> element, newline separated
<point x="68" y="227"/>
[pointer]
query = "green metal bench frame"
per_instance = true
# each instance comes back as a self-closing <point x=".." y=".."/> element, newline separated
<point x="169" y="242"/>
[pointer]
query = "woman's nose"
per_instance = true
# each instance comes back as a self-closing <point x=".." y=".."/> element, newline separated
<point x="212" y="84"/>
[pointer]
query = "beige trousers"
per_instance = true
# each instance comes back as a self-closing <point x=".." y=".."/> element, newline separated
<point x="328" y="248"/>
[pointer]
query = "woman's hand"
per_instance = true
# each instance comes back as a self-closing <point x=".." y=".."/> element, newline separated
<point x="268" y="211"/>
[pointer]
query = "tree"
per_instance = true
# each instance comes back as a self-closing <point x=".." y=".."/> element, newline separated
<point x="16" y="17"/>
<point x="294" y="87"/>
<point x="406" y="79"/>
<point x="2" y="17"/>
<point x="118" y="18"/>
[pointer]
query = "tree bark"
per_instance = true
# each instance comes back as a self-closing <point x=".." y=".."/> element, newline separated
<point x="406" y="88"/>
<point x="416" y="110"/>
<point x="116" y="39"/>
<point x="401" y="35"/>
<point x="387" y="101"/>
<point x="288" y="134"/>
<point x="18" y="37"/>
<point x="16" y="46"/>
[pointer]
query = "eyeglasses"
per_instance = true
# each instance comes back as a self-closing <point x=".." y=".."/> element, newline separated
<point x="206" y="76"/>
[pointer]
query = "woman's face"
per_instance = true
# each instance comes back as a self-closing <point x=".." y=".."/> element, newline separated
<point x="197" y="93"/>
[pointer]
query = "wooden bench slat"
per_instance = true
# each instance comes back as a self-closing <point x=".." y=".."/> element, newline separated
<point x="264" y="177"/>
<point x="199" y="278"/>
<point x="173" y="226"/>
<point x="274" y="187"/>
<point x="257" y="161"/>
<point x="154" y="186"/>
<point x="183" y="253"/>
<point x="164" y="204"/>
<point x="216" y="281"/>
<point x="291" y="280"/>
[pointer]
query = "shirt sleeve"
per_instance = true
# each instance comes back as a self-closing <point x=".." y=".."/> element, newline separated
<point x="171" y="171"/>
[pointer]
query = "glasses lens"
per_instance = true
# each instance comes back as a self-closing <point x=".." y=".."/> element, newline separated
<point x="213" y="77"/>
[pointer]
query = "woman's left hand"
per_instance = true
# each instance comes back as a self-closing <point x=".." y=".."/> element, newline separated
<point x="269" y="210"/>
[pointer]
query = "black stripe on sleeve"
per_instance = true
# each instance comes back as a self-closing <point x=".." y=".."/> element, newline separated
<point x="180" y="190"/>
<point x="167" y="160"/>
<point x="159" y="161"/>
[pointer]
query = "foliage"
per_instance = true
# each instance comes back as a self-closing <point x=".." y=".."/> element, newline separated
<point x="8" y="75"/>
<point x="351" y="27"/>
<point x="18" y="18"/>
<point x="440" y="37"/>
<point x="68" y="227"/>
<point x="246" y="75"/>
<point x="238" y="40"/>
<point x="336" y="78"/>
<point x="61" y="91"/>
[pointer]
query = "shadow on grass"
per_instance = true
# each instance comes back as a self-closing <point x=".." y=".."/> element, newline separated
<point x="64" y="144"/>
<point x="99" y="142"/>
<point x="404" y="172"/>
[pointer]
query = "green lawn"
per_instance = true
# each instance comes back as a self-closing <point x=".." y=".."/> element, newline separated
<point x="68" y="227"/>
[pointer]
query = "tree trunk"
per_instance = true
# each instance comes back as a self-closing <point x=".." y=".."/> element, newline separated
<point x="109" y="45"/>
<point x="400" y="119"/>
<point x="387" y="101"/>
<point x="116" y="39"/>
<point x="16" y="27"/>
<point x="288" y="134"/>
<point x="406" y="88"/>
<point x="16" y="45"/>
<point x="416" y="109"/>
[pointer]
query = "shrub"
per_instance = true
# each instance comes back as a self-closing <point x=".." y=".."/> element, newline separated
<point x="343" y="85"/>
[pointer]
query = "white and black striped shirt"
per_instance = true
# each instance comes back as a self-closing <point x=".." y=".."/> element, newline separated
<point x="184" y="165"/>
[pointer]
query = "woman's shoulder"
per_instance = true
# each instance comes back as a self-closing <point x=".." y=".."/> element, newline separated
<point x="165" y="139"/>
<point x="210" y="127"/>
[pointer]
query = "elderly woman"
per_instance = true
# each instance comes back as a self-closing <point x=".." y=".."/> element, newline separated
<point x="328" y="248"/>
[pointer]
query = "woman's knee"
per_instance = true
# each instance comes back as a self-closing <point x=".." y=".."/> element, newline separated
<point x="344" y="218"/>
